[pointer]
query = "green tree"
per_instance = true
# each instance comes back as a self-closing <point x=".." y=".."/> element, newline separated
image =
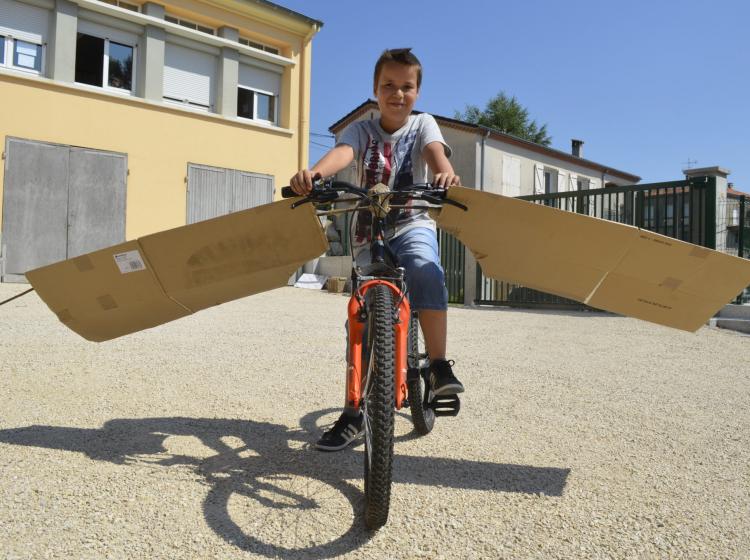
<point x="507" y="115"/>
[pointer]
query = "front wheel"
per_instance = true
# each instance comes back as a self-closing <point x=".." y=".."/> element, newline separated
<point x="378" y="404"/>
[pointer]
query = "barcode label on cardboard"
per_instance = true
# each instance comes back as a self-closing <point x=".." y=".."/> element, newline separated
<point x="129" y="262"/>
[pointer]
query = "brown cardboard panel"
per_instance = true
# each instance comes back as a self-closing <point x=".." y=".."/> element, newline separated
<point x="236" y="255"/>
<point x="102" y="297"/>
<point x="645" y="300"/>
<point x="702" y="272"/>
<point x="610" y="266"/>
<point x="94" y="297"/>
<point x="537" y="246"/>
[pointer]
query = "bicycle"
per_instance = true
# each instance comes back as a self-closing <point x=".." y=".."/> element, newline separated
<point x="386" y="370"/>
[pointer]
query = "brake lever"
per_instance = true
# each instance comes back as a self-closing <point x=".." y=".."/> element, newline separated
<point x="437" y="200"/>
<point x="301" y="202"/>
<point x="456" y="204"/>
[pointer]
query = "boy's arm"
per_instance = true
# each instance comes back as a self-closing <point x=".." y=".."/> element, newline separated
<point x="442" y="170"/>
<point x="334" y="161"/>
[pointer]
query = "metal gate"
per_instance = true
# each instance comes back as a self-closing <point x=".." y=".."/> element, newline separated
<point x="215" y="191"/>
<point x="59" y="202"/>
<point x="453" y="258"/>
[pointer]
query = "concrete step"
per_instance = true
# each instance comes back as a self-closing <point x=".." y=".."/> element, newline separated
<point x="732" y="311"/>
<point x="739" y="325"/>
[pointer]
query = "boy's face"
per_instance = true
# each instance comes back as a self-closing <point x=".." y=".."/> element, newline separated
<point x="396" y="92"/>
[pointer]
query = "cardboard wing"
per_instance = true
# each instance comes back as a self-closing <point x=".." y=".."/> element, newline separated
<point x="161" y="277"/>
<point x="610" y="266"/>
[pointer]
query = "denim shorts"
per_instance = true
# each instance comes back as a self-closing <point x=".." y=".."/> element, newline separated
<point x="417" y="251"/>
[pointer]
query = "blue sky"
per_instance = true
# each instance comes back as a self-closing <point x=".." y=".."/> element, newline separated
<point x="646" y="85"/>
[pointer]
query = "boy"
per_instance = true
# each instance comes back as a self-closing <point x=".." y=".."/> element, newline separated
<point x="397" y="149"/>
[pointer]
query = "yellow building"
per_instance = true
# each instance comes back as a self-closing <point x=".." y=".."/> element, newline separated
<point x="119" y="119"/>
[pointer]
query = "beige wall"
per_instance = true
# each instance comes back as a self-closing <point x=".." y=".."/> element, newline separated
<point x="159" y="142"/>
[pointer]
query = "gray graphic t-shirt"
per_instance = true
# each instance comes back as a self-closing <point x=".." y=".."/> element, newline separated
<point x="395" y="160"/>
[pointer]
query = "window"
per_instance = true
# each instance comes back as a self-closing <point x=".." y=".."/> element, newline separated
<point x="27" y="55"/>
<point x="104" y="63"/>
<point x="256" y="105"/>
<point x="259" y="46"/>
<point x="23" y="31"/>
<point x="22" y="55"/>
<point x="583" y="184"/>
<point x="126" y="5"/>
<point x="190" y="24"/>
<point x="258" y="91"/>
<point x="550" y="181"/>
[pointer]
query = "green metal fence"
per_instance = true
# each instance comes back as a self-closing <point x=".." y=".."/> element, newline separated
<point x="684" y="210"/>
<point x="453" y="259"/>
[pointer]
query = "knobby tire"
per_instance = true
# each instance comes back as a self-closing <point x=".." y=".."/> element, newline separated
<point x="379" y="405"/>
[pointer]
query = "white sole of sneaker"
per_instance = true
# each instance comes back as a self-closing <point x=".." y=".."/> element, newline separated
<point x="339" y="447"/>
<point x="448" y="390"/>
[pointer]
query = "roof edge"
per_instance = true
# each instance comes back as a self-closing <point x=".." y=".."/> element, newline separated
<point x="288" y="12"/>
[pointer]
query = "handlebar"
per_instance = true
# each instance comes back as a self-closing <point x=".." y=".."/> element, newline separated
<point x="328" y="190"/>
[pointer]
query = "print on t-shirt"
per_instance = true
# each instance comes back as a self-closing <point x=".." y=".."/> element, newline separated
<point x="379" y="160"/>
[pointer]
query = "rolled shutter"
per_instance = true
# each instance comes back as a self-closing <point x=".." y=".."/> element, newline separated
<point x="24" y="22"/>
<point x="189" y="76"/>
<point x="254" y="77"/>
<point x="104" y="32"/>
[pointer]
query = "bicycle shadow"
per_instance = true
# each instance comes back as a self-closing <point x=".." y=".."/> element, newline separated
<point x="268" y="464"/>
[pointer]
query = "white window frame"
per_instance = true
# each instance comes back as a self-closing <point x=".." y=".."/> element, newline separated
<point x="105" y="70"/>
<point x="190" y="24"/>
<point x="9" y="51"/>
<point x="258" y="45"/>
<point x="255" y="118"/>
<point x="124" y="5"/>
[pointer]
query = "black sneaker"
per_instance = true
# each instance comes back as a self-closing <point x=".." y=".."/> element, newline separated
<point x="344" y="431"/>
<point x="442" y="380"/>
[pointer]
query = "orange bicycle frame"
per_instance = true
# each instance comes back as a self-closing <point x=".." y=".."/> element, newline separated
<point x="354" y="373"/>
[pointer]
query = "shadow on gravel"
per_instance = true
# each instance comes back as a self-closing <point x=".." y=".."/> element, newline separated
<point x="308" y="508"/>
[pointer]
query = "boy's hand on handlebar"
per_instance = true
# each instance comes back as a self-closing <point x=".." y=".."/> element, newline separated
<point x="302" y="181"/>
<point x="446" y="180"/>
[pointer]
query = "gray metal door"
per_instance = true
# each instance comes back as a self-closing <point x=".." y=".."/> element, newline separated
<point x="215" y="191"/>
<point x="35" y="199"/>
<point x="209" y="193"/>
<point x="59" y="202"/>
<point x="250" y="190"/>
<point x="96" y="200"/>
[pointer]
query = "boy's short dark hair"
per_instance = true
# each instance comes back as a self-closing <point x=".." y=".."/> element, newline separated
<point x="402" y="56"/>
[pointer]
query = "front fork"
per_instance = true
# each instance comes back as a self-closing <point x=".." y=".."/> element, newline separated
<point x="357" y="322"/>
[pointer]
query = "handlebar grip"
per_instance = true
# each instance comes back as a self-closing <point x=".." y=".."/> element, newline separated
<point x="287" y="192"/>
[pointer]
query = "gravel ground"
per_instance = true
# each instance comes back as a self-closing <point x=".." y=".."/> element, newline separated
<point x="580" y="436"/>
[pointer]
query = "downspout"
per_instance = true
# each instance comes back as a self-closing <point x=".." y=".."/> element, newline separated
<point x="481" y="158"/>
<point x="305" y="76"/>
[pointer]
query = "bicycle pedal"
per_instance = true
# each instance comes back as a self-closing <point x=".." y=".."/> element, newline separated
<point x="445" y="405"/>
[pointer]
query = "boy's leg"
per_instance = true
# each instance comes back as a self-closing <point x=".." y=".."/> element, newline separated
<point x="434" y="325"/>
<point x="417" y="252"/>
<point x="349" y="425"/>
